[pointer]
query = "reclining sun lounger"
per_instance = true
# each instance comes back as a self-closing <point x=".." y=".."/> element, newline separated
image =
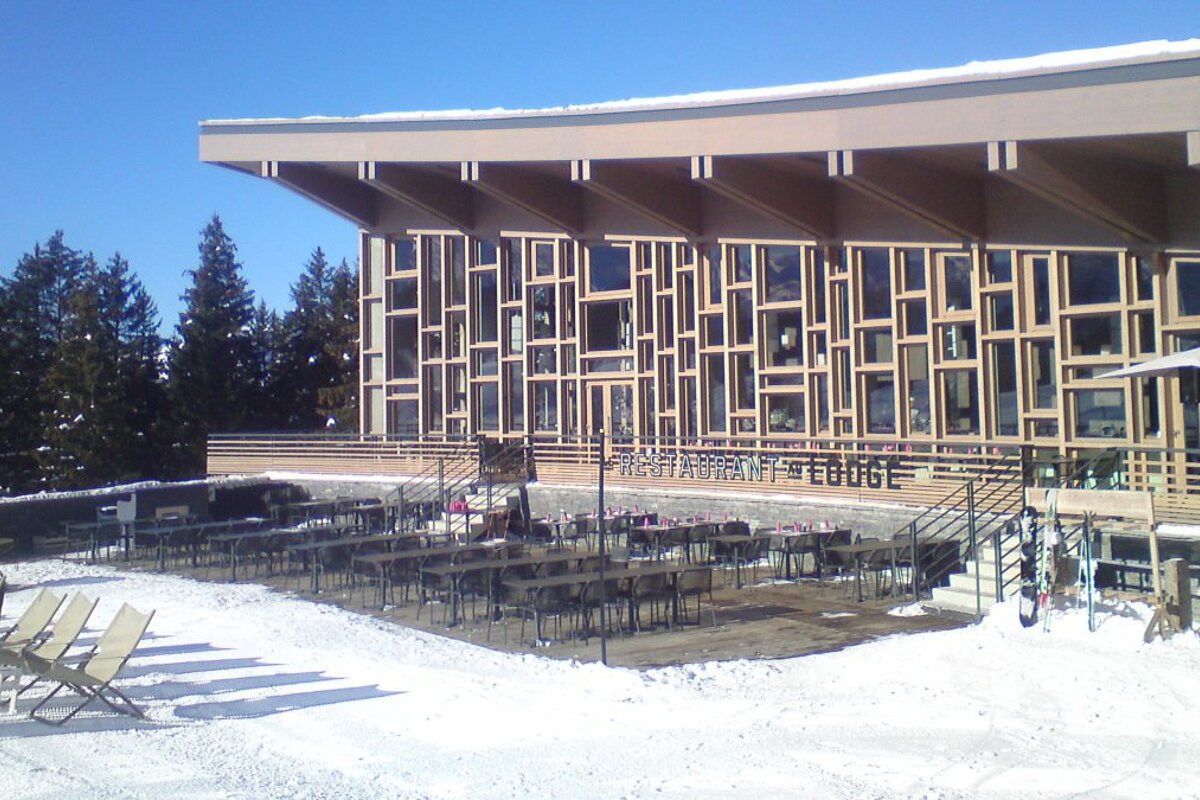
<point x="30" y="624"/>
<point x="93" y="678"/>
<point x="66" y="631"/>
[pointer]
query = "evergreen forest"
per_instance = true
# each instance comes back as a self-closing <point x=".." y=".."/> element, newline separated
<point x="92" y="394"/>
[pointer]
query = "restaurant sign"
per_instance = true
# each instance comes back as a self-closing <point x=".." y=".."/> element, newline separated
<point x="817" y="469"/>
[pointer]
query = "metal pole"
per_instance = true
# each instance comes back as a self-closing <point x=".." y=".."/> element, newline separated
<point x="603" y="557"/>
<point x="999" y="563"/>
<point x="974" y="551"/>
<point x="916" y="561"/>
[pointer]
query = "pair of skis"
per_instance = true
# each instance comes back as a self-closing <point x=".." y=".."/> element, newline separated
<point x="1038" y="549"/>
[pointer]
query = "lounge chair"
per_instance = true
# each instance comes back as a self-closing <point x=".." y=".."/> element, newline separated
<point x="93" y="678"/>
<point x="65" y="632"/>
<point x="30" y="624"/>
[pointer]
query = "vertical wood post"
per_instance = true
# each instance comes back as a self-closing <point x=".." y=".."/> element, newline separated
<point x="1178" y="591"/>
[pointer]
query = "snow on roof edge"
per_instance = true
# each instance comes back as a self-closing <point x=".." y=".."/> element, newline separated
<point x="1062" y="61"/>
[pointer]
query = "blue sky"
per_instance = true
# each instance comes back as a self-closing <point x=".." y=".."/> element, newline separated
<point x="99" y="101"/>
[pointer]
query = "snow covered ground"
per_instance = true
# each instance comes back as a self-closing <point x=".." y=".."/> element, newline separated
<point x="253" y="694"/>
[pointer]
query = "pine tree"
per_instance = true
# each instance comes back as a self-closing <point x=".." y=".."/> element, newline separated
<point x="213" y="364"/>
<point x="339" y="400"/>
<point x="269" y="411"/>
<point x="318" y="359"/>
<point x="33" y="315"/>
<point x="106" y="393"/>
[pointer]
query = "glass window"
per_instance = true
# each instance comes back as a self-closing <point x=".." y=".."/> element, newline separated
<point x="876" y="283"/>
<point x="487" y="406"/>
<point x="1187" y="278"/>
<point x="916" y="365"/>
<point x="1099" y="413"/>
<point x="914" y="270"/>
<point x="458" y="270"/>
<point x="406" y="255"/>
<point x="1041" y="290"/>
<point x="456" y="322"/>
<point x="404" y="417"/>
<point x="665" y="255"/>
<point x="818" y="285"/>
<point x="844" y="376"/>
<point x="999" y="263"/>
<point x="485" y="251"/>
<point x="958" y="341"/>
<point x="543" y="259"/>
<point x="1147" y="341"/>
<point x="485" y="307"/>
<point x="877" y="346"/>
<point x="1043" y="428"/>
<point x="1002" y="312"/>
<point x="515" y="391"/>
<point x="458" y="389"/>
<point x="433" y="397"/>
<point x="785" y="413"/>
<point x="916" y="318"/>
<point x="403" y="341"/>
<point x="961" y="390"/>
<point x="543" y="312"/>
<point x="782" y="338"/>
<point x="1151" y="424"/>
<point x="608" y="268"/>
<point x="881" y="403"/>
<point x="433" y="279"/>
<point x="956" y="272"/>
<point x="714" y="275"/>
<point x="821" y="401"/>
<point x="783" y="276"/>
<point x="1144" y="275"/>
<point x="746" y="388"/>
<point x="743" y="269"/>
<point x="485" y="362"/>
<point x="1093" y="278"/>
<point x="514" y="265"/>
<point x="1096" y="336"/>
<point x="1043" y="372"/>
<point x="402" y="294"/>
<point x="543" y="360"/>
<point x="1004" y="388"/>
<point x="608" y="326"/>
<point x="372" y="276"/>
<point x="714" y="330"/>
<point x="714" y="367"/>
<point x="433" y="344"/>
<point x="743" y="317"/>
<point x="545" y="406"/>
<point x="514" y="327"/>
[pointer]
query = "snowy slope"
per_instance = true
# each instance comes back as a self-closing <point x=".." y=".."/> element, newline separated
<point x="250" y="693"/>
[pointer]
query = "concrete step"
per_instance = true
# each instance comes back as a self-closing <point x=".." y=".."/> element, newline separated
<point x="961" y="600"/>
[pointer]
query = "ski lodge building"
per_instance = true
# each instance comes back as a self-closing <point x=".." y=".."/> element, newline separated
<point x="865" y="289"/>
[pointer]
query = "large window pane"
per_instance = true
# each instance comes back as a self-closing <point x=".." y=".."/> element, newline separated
<point x="403" y="341"/>
<point x="487" y="406"/>
<point x="715" y="369"/>
<point x="485" y="307"/>
<point x="1043" y="371"/>
<point x="608" y="326"/>
<point x="608" y="269"/>
<point x="785" y="413"/>
<point x="1093" y="278"/>
<point x="1096" y="336"/>
<point x="515" y="390"/>
<point x="783" y="340"/>
<point x="458" y="270"/>
<point x="1002" y="312"/>
<point x="433" y="279"/>
<point x="714" y="275"/>
<point x="956" y="273"/>
<point x="914" y="270"/>
<point x="876" y="283"/>
<point x="916" y="365"/>
<point x="543" y="312"/>
<point x="743" y="317"/>
<point x="1099" y="413"/>
<point x="960" y="390"/>
<point x="783" y="274"/>
<point x="1187" y="277"/>
<point x="402" y="294"/>
<point x="881" y="403"/>
<point x="743" y="270"/>
<point x="514" y="266"/>
<point x="999" y="263"/>
<point x="543" y="259"/>
<point x="1004" y="388"/>
<point x="958" y="341"/>
<point x="545" y="407"/>
<point x="1041" y="290"/>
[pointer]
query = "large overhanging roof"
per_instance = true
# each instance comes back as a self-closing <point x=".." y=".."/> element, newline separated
<point x="1093" y="131"/>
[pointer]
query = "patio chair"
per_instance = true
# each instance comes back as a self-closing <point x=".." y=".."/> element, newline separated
<point x="93" y="679"/>
<point x="31" y="623"/>
<point x="654" y="588"/>
<point x="695" y="583"/>
<point x="66" y="631"/>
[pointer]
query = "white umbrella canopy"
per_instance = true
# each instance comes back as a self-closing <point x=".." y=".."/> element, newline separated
<point x="1159" y="366"/>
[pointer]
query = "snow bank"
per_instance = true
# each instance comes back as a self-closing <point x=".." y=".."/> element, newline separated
<point x="251" y="693"/>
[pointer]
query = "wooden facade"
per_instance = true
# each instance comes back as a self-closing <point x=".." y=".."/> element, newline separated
<point x="940" y="264"/>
